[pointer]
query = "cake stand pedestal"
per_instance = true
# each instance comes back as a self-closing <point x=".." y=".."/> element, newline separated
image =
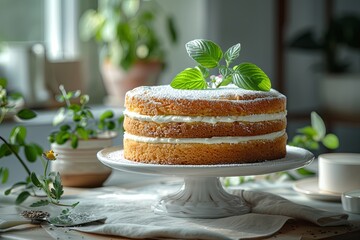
<point x="202" y="195"/>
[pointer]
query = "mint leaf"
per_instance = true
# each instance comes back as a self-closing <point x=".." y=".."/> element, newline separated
<point x="190" y="78"/>
<point x="225" y="71"/>
<point x="226" y="81"/>
<point x="318" y="124"/>
<point x="251" y="77"/>
<point x="232" y="53"/>
<point x="331" y="141"/>
<point x="204" y="71"/>
<point x="205" y="52"/>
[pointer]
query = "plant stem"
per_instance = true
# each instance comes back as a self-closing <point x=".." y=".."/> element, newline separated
<point x="45" y="168"/>
<point x="63" y="92"/>
<point x="17" y="156"/>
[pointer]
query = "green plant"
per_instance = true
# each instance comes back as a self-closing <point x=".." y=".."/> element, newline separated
<point x="126" y="30"/>
<point x="15" y="145"/>
<point x="209" y="55"/>
<point x="308" y="137"/>
<point x="342" y="31"/>
<point x="82" y="124"/>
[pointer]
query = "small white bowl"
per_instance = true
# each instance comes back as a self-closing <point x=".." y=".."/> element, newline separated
<point x="339" y="172"/>
<point x="351" y="201"/>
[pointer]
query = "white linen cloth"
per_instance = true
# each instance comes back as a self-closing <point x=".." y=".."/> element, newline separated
<point x="129" y="214"/>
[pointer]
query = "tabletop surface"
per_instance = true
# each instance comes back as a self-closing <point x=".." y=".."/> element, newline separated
<point x="133" y="181"/>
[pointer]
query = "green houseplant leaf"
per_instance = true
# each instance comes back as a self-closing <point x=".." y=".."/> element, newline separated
<point x="205" y="52"/>
<point x="318" y="124"/>
<point x="26" y="114"/>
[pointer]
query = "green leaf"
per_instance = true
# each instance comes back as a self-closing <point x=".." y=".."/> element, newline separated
<point x="190" y="78"/>
<point x="171" y="29"/>
<point x="205" y="52"/>
<point x="30" y="153"/>
<point x="74" y="141"/>
<point x="106" y="114"/>
<point x="60" y="116"/>
<point x="305" y="172"/>
<point x="110" y="125"/>
<point x="4" y="150"/>
<point x="331" y="141"/>
<point x="58" y="188"/>
<point x="251" y="77"/>
<point x="226" y="81"/>
<point x="5" y="175"/>
<point x="35" y="180"/>
<point x="232" y="53"/>
<point x="18" y="135"/>
<point x="74" y="204"/>
<point x="204" y="71"/>
<point x="75" y="107"/>
<point x="22" y="197"/>
<point x="82" y="133"/>
<point x="84" y="99"/>
<point x="38" y="148"/>
<point x="225" y="71"/>
<point x="61" y="137"/>
<point x="26" y="114"/>
<point x="3" y="82"/>
<point x="311" y="144"/>
<point x="65" y="127"/>
<point x="318" y="124"/>
<point x="18" y="184"/>
<point x="40" y="203"/>
<point x="308" y="130"/>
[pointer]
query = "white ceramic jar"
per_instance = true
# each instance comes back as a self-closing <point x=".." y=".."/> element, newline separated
<point x="339" y="172"/>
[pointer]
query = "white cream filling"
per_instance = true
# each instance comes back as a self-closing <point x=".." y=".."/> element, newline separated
<point x="206" y="119"/>
<point x="213" y="140"/>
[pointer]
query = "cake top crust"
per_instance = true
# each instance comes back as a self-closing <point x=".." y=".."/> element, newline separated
<point x="230" y="92"/>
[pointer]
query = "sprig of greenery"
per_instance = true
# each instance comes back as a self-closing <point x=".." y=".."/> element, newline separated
<point x="54" y="192"/>
<point x="32" y="151"/>
<point x="209" y="55"/>
<point x="83" y="124"/>
<point x="310" y="137"/>
<point x="17" y="140"/>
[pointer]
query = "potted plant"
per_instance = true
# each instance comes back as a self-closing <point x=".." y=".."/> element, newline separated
<point x="78" y="139"/>
<point x="132" y="53"/>
<point x="339" y="87"/>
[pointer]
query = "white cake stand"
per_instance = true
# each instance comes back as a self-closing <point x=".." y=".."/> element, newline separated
<point x="202" y="195"/>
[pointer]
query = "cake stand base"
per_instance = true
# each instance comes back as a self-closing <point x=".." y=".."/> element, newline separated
<point x="201" y="197"/>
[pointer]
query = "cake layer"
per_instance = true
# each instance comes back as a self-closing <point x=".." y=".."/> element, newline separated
<point x="224" y="101"/>
<point x="205" y="154"/>
<point x="201" y="129"/>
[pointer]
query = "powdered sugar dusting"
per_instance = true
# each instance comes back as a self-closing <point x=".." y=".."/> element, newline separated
<point x="230" y="92"/>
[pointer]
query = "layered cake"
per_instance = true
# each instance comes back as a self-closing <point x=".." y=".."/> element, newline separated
<point x="200" y="127"/>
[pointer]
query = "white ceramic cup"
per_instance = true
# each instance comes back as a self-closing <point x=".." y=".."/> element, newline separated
<point x="339" y="172"/>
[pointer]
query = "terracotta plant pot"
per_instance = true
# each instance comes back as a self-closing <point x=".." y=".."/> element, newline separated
<point x="80" y="167"/>
<point x="117" y="81"/>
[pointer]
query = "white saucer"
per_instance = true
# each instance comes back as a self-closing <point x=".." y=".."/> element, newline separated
<point x="309" y="187"/>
